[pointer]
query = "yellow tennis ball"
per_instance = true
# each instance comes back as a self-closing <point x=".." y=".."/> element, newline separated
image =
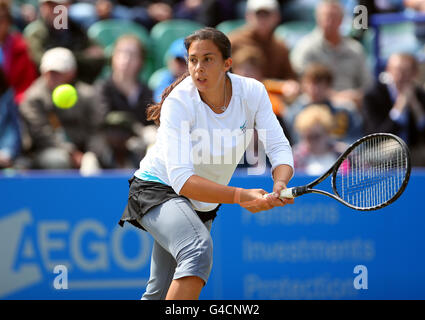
<point x="64" y="96"/>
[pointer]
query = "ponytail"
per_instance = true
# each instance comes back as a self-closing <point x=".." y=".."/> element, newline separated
<point x="153" y="111"/>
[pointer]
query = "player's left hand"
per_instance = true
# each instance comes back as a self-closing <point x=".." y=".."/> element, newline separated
<point x="274" y="199"/>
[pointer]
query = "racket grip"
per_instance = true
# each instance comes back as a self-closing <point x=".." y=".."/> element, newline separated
<point x="287" y="193"/>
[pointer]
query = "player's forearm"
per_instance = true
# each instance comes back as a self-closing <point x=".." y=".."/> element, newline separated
<point x="201" y="189"/>
<point x="283" y="173"/>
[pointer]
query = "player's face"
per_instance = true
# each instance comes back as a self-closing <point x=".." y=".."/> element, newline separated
<point x="207" y="66"/>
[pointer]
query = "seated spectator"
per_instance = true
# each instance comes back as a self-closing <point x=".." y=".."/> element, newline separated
<point x="316" y="151"/>
<point x="45" y="33"/>
<point x="23" y="12"/>
<point x="395" y="104"/>
<point x="10" y="139"/>
<point x="176" y="67"/>
<point x="151" y="12"/>
<point x="124" y="91"/>
<point x="213" y="12"/>
<point x="187" y="9"/>
<point x="15" y="61"/>
<point x="90" y="11"/>
<point x="316" y="84"/>
<point x="262" y="17"/>
<point x="87" y="13"/>
<point x="60" y="137"/>
<point x="122" y="148"/>
<point x="343" y="55"/>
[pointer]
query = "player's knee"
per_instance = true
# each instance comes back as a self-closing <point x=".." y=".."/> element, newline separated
<point x="196" y="258"/>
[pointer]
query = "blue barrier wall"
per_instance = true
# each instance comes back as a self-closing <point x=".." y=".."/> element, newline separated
<point x="308" y="250"/>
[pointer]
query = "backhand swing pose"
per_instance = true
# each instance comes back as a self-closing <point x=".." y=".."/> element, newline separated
<point x="175" y="193"/>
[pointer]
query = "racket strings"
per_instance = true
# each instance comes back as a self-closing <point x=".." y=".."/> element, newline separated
<point x="372" y="173"/>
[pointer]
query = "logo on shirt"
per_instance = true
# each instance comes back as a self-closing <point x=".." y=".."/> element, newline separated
<point x="243" y="127"/>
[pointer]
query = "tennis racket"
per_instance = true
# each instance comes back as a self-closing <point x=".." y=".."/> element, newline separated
<point x="371" y="174"/>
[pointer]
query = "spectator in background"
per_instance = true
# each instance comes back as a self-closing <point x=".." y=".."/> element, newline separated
<point x="187" y="9"/>
<point x="149" y="13"/>
<point x="249" y="62"/>
<point x="124" y="93"/>
<point x="262" y="17"/>
<point x="146" y="13"/>
<point x="395" y="104"/>
<point x="60" y="137"/>
<point x="316" y="151"/>
<point x="343" y="55"/>
<point x="15" y="61"/>
<point x="122" y="147"/>
<point x="88" y="12"/>
<point x="44" y="34"/>
<point x="316" y="84"/>
<point x="10" y="139"/>
<point x="23" y="12"/>
<point x="176" y="67"/>
<point x="213" y="12"/>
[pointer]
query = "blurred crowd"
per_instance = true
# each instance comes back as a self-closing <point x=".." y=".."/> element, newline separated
<point x="317" y="68"/>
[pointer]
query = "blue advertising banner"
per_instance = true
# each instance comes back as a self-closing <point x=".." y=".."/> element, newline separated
<point x="59" y="239"/>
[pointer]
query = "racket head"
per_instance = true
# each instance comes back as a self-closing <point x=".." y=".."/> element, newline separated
<point x="373" y="172"/>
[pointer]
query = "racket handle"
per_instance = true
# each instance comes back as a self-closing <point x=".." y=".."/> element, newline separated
<point x="287" y="193"/>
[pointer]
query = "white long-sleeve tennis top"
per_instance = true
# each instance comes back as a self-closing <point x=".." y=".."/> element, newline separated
<point x="194" y="140"/>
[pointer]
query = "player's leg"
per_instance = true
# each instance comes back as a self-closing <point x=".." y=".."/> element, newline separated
<point x="162" y="270"/>
<point x="186" y="288"/>
<point x="178" y="230"/>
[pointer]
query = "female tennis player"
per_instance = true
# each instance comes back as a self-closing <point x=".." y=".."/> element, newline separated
<point x="203" y="119"/>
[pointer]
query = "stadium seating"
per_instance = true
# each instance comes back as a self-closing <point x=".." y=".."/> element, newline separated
<point x="291" y="32"/>
<point x="156" y="77"/>
<point x="228" y="26"/>
<point x="165" y="32"/>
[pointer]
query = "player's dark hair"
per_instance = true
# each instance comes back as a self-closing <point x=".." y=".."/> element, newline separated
<point x="220" y="40"/>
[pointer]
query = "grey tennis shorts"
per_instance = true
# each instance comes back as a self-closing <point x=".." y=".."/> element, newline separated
<point x="182" y="247"/>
